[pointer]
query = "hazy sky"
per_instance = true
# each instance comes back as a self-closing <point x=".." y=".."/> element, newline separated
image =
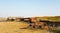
<point x="29" y="8"/>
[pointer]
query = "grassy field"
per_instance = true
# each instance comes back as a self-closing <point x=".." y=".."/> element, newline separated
<point x="14" y="27"/>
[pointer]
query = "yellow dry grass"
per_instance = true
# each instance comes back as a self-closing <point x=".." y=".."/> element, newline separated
<point x="14" y="27"/>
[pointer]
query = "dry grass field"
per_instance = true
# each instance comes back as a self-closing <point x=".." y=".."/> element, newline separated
<point x="14" y="27"/>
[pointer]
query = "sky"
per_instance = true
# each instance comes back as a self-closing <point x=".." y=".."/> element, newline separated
<point x="28" y="8"/>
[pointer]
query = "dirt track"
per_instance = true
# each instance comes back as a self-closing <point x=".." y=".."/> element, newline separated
<point x="14" y="27"/>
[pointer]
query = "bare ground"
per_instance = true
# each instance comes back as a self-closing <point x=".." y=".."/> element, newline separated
<point x="14" y="27"/>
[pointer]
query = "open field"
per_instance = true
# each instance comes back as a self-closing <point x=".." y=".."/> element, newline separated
<point x="14" y="27"/>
